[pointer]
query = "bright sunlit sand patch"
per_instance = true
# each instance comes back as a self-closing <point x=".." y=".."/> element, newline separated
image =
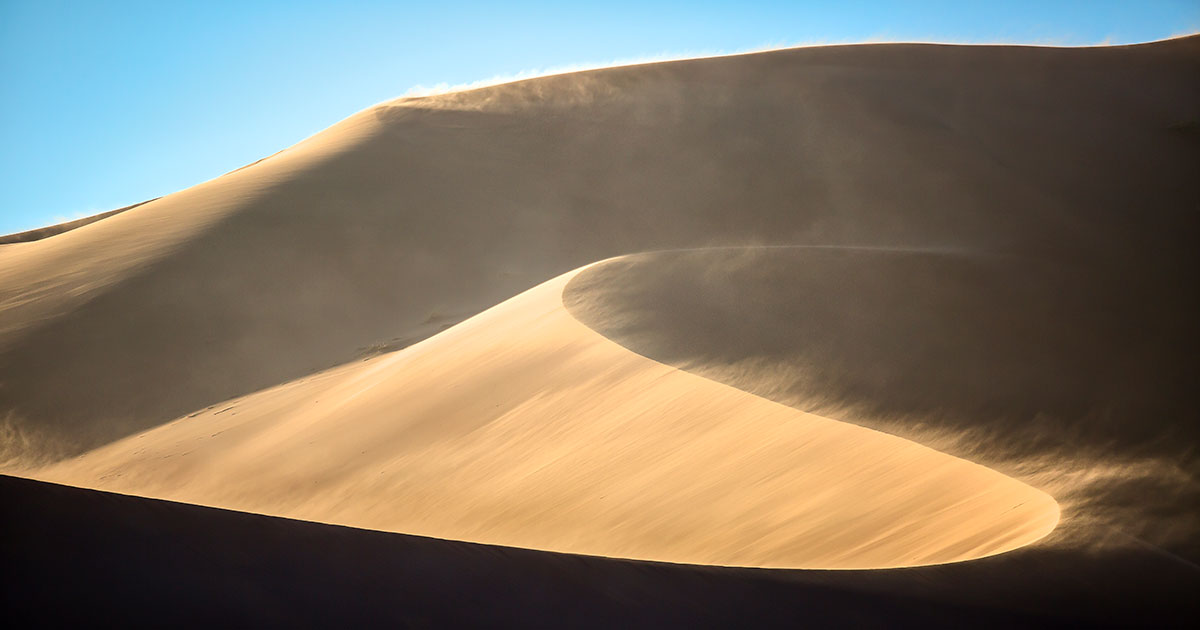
<point x="523" y="427"/>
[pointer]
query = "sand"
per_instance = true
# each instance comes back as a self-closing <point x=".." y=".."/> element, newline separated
<point x="1030" y="367"/>
<point x="448" y="205"/>
<point x="145" y="562"/>
<point x="522" y="427"/>
<point x="1020" y="340"/>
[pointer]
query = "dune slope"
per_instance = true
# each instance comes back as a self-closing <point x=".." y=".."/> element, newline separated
<point x="415" y="213"/>
<point x="1039" y="370"/>
<point x="1031" y="308"/>
<point x="523" y="427"/>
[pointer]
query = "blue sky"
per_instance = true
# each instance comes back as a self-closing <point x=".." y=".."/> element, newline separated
<point x="106" y="104"/>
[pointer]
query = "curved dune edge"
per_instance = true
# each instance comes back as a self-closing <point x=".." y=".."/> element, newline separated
<point x="523" y="427"/>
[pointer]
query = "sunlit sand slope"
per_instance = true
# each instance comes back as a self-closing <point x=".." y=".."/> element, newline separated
<point x="109" y="324"/>
<point x="523" y="427"/>
<point x="418" y="212"/>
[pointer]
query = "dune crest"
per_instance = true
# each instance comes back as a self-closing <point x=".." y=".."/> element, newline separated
<point x="523" y="427"/>
<point x="450" y="204"/>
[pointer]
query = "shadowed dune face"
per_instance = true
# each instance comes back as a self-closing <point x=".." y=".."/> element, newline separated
<point x="449" y="204"/>
<point x="303" y="574"/>
<point x="523" y="427"/>
<point x="1075" y="376"/>
<point x="1013" y="319"/>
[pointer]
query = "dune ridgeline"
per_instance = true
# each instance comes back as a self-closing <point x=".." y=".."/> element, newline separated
<point x="848" y="307"/>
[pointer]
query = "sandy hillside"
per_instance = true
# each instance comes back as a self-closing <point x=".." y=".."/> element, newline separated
<point x="148" y="562"/>
<point x="1037" y="369"/>
<point x="860" y="306"/>
<point x="522" y="427"/>
<point x="422" y="211"/>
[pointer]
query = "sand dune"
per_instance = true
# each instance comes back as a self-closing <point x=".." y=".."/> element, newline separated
<point x="450" y="204"/>
<point x="198" y="565"/>
<point x="522" y="427"/>
<point x="1000" y="277"/>
<point x="1036" y="369"/>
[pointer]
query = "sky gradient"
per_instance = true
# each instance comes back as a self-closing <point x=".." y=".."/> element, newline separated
<point x="108" y="104"/>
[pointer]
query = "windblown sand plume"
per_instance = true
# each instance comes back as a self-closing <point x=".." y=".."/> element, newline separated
<point x="852" y="307"/>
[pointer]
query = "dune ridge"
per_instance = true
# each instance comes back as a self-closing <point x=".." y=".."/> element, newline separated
<point x="524" y="428"/>
<point x="958" y="350"/>
<point x="305" y="574"/>
<point x="453" y="203"/>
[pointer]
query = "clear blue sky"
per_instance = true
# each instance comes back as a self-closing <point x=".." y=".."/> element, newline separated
<point x="110" y="103"/>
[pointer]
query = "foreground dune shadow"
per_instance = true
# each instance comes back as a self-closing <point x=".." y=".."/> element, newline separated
<point x="72" y="556"/>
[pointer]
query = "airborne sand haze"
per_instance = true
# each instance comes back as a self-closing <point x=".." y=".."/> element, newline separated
<point x="455" y="202"/>
<point x="522" y="427"/>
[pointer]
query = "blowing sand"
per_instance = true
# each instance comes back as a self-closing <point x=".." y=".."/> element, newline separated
<point x="522" y="427"/>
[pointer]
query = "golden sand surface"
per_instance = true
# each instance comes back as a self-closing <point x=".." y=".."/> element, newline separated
<point x="522" y="427"/>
